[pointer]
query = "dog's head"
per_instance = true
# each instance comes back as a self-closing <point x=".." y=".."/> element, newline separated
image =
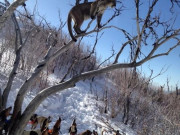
<point x="89" y="132"/>
<point x="49" y="119"/>
<point x="33" y="117"/>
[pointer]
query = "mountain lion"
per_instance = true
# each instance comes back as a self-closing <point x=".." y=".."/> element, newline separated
<point x="84" y="11"/>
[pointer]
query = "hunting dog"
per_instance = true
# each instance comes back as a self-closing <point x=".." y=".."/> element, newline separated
<point x="55" y="130"/>
<point x="35" y="120"/>
<point x="37" y="131"/>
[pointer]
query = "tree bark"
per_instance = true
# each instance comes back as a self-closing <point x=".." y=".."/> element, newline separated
<point x="0" y="100"/>
<point x="24" y="88"/>
<point x="16" y="63"/>
<point x="7" y="14"/>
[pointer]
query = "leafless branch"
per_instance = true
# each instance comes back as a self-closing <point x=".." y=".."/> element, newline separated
<point x="122" y="48"/>
<point x="140" y="33"/>
<point x="113" y="53"/>
<point x="166" y="53"/>
<point x="93" y="50"/>
<point x="18" y="48"/>
<point x="173" y="2"/>
<point x="9" y="12"/>
<point x="62" y="24"/>
<point x="69" y="70"/>
<point x="116" y="13"/>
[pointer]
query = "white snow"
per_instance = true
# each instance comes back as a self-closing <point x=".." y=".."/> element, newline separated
<point x="77" y="102"/>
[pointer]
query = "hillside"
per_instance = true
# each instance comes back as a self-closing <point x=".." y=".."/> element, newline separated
<point x="78" y="102"/>
<point x="43" y="71"/>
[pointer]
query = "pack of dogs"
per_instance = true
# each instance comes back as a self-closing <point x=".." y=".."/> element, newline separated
<point x="43" y="122"/>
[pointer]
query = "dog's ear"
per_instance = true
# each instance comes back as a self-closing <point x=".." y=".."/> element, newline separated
<point x="59" y="118"/>
<point x="32" y="117"/>
<point x="49" y="119"/>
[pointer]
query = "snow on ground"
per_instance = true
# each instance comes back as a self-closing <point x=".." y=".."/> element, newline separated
<point x="77" y="102"/>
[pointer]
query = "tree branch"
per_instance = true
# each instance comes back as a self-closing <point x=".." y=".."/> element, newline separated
<point x="140" y="32"/>
<point x="166" y="53"/>
<point x="9" y="12"/>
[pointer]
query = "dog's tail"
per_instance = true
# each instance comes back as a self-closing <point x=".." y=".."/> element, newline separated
<point x="70" y="27"/>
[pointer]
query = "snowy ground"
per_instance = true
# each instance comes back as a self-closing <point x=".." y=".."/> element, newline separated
<point x="73" y="103"/>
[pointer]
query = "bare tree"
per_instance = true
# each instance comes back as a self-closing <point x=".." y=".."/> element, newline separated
<point x="7" y="13"/>
<point x="146" y="28"/>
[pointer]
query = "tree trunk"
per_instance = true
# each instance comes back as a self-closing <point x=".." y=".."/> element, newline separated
<point x="9" y="12"/>
<point x="0" y="100"/>
<point x="30" y="109"/>
<point x="11" y="78"/>
<point x="24" y="88"/>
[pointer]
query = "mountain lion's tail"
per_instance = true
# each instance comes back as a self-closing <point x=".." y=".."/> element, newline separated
<point x="70" y="27"/>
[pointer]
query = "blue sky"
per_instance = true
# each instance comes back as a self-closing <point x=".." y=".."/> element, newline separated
<point x="111" y="37"/>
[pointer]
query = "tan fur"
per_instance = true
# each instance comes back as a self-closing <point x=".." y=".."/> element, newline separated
<point x="44" y="126"/>
<point x="55" y="130"/>
<point x="39" y="120"/>
<point x="104" y="130"/>
<point x="84" y="11"/>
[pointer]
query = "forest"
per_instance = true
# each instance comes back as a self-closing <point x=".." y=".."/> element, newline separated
<point x="31" y="50"/>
